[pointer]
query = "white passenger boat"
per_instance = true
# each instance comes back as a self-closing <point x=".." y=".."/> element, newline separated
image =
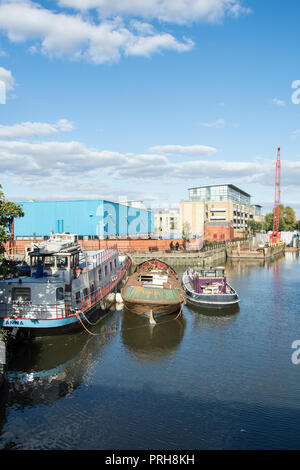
<point x="65" y="288"/>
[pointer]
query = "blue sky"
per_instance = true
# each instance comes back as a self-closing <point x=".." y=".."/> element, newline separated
<point x="142" y="100"/>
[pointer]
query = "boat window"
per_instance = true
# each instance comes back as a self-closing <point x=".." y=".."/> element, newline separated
<point x="62" y="262"/>
<point x="21" y="293"/>
<point x="60" y="293"/>
<point x="35" y="259"/>
<point x="146" y="278"/>
<point x="210" y="274"/>
<point x="100" y="274"/>
<point x="106" y="270"/>
<point x="85" y="292"/>
<point x="77" y="296"/>
<point x="48" y="261"/>
<point x="74" y="261"/>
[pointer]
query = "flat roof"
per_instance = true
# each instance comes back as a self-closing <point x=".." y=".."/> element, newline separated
<point x="230" y="185"/>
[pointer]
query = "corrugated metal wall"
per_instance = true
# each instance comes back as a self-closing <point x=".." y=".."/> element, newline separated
<point x="86" y="217"/>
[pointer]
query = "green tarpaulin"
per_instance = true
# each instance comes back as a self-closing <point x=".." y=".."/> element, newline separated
<point x="152" y="293"/>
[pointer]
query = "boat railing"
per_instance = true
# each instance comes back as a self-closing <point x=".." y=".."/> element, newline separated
<point x="103" y="256"/>
<point x="28" y="310"/>
<point x="93" y="298"/>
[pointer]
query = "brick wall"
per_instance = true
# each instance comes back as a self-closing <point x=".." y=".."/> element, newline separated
<point x="217" y="233"/>
<point x="123" y="245"/>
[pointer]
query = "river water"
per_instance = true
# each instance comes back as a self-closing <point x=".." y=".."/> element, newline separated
<point x="200" y="381"/>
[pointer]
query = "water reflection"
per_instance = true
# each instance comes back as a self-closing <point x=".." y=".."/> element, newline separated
<point x="152" y="343"/>
<point x="50" y="368"/>
<point x="203" y="318"/>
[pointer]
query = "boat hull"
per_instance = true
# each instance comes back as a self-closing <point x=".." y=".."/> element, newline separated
<point x="145" y="308"/>
<point x="49" y="327"/>
<point x="217" y="301"/>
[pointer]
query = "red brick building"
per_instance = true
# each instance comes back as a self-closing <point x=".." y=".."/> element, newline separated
<point x="218" y="231"/>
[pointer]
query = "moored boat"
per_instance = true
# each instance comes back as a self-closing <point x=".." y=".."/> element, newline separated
<point x="153" y="289"/>
<point x="65" y="288"/>
<point x="208" y="288"/>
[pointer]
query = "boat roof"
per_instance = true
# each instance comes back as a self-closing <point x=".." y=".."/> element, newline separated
<point x="153" y="260"/>
<point x="152" y="293"/>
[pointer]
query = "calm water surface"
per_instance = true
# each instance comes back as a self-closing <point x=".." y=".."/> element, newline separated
<point x="200" y="381"/>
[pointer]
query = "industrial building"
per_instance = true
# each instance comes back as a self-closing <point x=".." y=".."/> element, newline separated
<point x="99" y="219"/>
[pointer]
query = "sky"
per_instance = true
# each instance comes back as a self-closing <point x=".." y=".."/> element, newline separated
<point x="131" y="99"/>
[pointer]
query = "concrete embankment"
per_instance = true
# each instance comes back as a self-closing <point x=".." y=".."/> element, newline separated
<point x="204" y="258"/>
<point x="245" y="250"/>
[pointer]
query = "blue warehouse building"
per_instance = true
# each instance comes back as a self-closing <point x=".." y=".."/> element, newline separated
<point x="96" y="218"/>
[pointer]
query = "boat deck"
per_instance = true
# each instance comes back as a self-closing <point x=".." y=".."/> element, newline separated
<point x="140" y="293"/>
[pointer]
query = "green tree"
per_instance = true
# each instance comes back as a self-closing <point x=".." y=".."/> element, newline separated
<point x="269" y="222"/>
<point x="290" y="218"/>
<point x="255" y="226"/>
<point x="186" y="231"/>
<point x="8" y="211"/>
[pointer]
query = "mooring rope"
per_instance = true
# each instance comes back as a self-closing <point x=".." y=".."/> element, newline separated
<point x="93" y="334"/>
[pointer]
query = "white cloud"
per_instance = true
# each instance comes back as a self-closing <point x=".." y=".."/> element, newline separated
<point x="31" y="129"/>
<point x="76" y="37"/>
<point x="216" y="124"/>
<point x="278" y="102"/>
<point x="73" y="168"/>
<point x="7" y="77"/>
<point x="177" y="11"/>
<point x="53" y="159"/>
<point x="185" y="150"/>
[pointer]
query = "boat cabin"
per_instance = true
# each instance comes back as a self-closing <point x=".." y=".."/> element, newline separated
<point x="155" y="279"/>
<point x="207" y="281"/>
<point x="218" y="271"/>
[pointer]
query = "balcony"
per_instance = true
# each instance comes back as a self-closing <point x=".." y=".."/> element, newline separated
<point x="217" y="217"/>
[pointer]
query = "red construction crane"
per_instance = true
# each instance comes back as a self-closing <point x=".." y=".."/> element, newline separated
<point x="275" y="235"/>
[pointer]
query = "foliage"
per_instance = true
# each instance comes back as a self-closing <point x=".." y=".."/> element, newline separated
<point x="186" y="231"/>
<point x="8" y="210"/>
<point x="290" y="217"/>
<point x="287" y="219"/>
<point x="4" y="334"/>
<point x="255" y="226"/>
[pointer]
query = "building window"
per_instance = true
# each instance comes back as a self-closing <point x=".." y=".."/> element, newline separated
<point x="110" y="266"/>
<point x="100" y="274"/>
<point x="115" y="262"/>
<point x="106" y="270"/>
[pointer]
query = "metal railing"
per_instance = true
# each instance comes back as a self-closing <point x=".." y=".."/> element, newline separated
<point x="94" y="298"/>
<point x="28" y="310"/>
